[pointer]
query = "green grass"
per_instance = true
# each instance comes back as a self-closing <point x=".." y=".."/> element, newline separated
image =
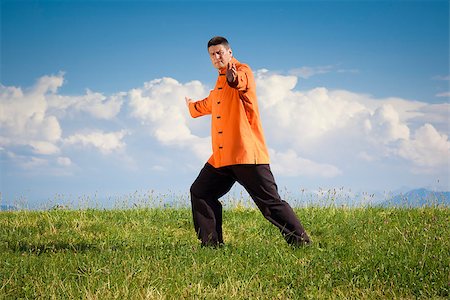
<point x="357" y="253"/>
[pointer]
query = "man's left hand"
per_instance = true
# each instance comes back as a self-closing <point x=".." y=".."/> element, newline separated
<point x="188" y="100"/>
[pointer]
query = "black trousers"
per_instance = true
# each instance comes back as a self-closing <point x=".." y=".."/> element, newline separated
<point x="212" y="183"/>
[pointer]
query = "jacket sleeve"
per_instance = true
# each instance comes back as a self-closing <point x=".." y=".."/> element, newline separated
<point x="241" y="83"/>
<point x="200" y="108"/>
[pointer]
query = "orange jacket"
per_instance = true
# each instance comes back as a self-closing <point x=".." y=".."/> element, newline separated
<point x="236" y="131"/>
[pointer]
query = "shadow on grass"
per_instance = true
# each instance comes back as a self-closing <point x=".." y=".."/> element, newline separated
<point x="51" y="247"/>
<point x="82" y="247"/>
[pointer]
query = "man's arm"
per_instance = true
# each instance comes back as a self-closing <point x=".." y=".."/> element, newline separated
<point x="198" y="108"/>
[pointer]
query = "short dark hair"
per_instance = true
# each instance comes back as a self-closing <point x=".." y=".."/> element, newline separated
<point x="218" y="40"/>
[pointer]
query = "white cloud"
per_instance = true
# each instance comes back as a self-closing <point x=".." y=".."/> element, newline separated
<point x="64" y="161"/>
<point x="274" y="88"/>
<point x="24" y="161"/>
<point x="24" y="120"/>
<point x="428" y="149"/>
<point x="443" y="94"/>
<point x="312" y="133"/>
<point x="385" y="125"/>
<point x="363" y="155"/>
<point x="96" y="104"/>
<point x="307" y="72"/>
<point x="48" y="84"/>
<point x="351" y="71"/>
<point x="302" y="117"/>
<point x="158" y="168"/>
<point x="30" y="117"/>
<point x="160" y="106"/>
<point x="437" y="114"/>
<point x="338" y="125"/>
<point x="42" y="147"/>
<point x="33" y="162"/>
<point x="290" y="164"/>
<point x="344" y="126"/>
<point x="104" y="142"/>
<point x="443" y="78"/>
<point x="406" y="109"/>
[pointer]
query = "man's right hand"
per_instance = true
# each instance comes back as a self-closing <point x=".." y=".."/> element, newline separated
<point x="231" y="73"/>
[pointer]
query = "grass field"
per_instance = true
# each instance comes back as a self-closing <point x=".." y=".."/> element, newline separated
<point x="152" y="253"/>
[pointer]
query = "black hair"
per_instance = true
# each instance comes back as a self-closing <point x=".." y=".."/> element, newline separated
<point x="218" y="40"/>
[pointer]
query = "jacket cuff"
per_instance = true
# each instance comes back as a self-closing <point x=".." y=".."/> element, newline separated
<point x="194" y="113"/>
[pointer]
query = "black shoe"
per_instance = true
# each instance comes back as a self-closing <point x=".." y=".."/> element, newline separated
<point x="298" y="242"/>
<point x="212" y="245"/>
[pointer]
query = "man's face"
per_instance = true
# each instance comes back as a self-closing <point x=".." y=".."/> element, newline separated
<point x="220" y="56"/>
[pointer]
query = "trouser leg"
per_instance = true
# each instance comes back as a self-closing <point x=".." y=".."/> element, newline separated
<point x="210" y="185"/>
<point x="259" y="182"/>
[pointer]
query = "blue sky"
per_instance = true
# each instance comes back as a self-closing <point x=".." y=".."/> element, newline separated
<point x="352" y="93"/>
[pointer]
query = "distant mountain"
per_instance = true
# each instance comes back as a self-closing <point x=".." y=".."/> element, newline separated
<point x="418" y="198"/>
<point x="7" y="207"/>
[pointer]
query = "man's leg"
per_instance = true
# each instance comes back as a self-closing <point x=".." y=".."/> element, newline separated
<point x="210" y="185"/>
<point x="259" y="182"/>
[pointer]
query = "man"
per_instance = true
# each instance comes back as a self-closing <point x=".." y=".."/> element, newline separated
<point x="239" y="153"/>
